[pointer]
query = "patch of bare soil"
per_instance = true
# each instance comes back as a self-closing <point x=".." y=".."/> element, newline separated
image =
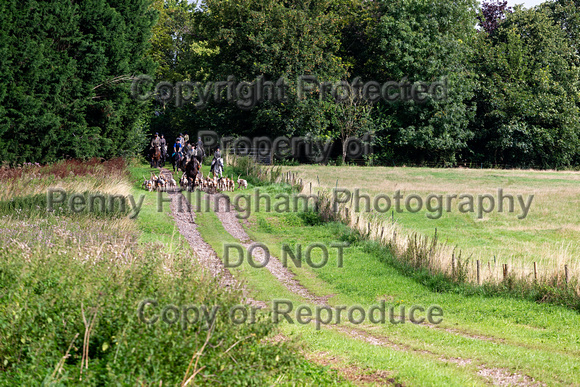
<point x="501" y="377"/>
<point x="496" y="376"/>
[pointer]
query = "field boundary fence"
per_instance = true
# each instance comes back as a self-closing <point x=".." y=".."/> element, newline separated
<point x="422" y="251"/>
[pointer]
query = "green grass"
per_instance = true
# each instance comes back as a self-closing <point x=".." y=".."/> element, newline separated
<point x="548" y="235"/>
<point x="538" y="340"/>
<point x="56" y="271"/>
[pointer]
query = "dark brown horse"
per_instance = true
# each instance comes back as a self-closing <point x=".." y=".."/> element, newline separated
<point x="191" y="171"/>
<point x="156" y="157"/>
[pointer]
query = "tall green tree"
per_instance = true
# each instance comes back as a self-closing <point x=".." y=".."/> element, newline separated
<point x="64" y="78"/>
<point x="420" y="41"/>
<point x="528" y="93"/>
<point x="248" y="39"/>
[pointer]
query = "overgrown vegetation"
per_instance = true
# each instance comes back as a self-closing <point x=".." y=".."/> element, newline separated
<point x="70" y="288"/>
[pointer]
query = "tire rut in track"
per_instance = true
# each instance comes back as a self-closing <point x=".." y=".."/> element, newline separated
<point x="231" y="224"/>
<point x="184" y="218"/>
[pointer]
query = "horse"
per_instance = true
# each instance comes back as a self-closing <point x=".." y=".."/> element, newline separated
<point x="217" y="167"/>
<point x="155" y="157"/>
<point x="199" y="154"/>
<point x="163" y="155"/>
<point x="191" y="172"/>
<point x="185" y="157"/>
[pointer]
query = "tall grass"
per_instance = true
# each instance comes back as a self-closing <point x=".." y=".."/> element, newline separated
<point x="70" y="286"/>
<point x="71" y="175"/>
<point x="258" y="174"/>
<point x="429" y="255"/>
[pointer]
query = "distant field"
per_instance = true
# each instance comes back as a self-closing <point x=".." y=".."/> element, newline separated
<point x="549" y="235"/>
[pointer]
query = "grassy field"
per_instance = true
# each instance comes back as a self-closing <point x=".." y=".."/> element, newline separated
<point x="549" y="234"/>
<point x="482" y="339"/>
<point x="71" y="286"/>
<point x="58" y="272"/>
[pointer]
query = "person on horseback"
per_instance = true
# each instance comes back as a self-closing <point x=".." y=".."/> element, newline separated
<point x="163" y="144"/>
<point x="200" y="153"/>
<point x="177" y="155"/>
<point x="177" y="147"/>
<point x="155" y="141"/>
<point x="217" y="164"/>
<point x="155" y="150"/>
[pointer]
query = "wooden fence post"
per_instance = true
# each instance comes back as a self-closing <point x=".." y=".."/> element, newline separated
<point x="478" y="272"/>
<point x="566" y="274"/>
<point x="505" y="270"/>
<point x="535" y="271"/>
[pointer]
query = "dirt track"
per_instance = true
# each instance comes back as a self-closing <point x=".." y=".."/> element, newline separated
<point x="185" y="220"/>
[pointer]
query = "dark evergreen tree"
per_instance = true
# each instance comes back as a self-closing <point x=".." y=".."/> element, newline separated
<point x="66" y="75"/>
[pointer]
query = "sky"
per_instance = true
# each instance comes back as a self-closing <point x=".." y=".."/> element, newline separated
<point x="511" y="3"/>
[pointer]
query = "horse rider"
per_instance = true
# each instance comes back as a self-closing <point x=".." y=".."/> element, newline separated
<point x="163" y="144"/>
<point x="188" y="149"/>
<point x="177" y="148"/>
<point x="200" y="150"/>
<point x="217" y="158"/>
<point x="186" y="138"/>
<point x="155" y="142"/>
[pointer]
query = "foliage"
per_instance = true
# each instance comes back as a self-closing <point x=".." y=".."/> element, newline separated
<point x="492" y="13"/>
<point x="508" y="94"/>
<point x="47" y="300"/>
<point x="527" y="97"/>
<point x="418" y="41"/>
<point x="65" y="69"/>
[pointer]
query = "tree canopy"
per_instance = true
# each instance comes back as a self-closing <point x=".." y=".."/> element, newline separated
<point x="509" y="77"/>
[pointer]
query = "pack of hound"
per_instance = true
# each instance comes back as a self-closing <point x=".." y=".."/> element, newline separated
<point x="214" y="184"/>
<point x="166" y="182"/>
<point x="163" y="182"/>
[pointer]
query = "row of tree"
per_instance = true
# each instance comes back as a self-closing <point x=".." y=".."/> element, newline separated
<point x="512" y="76"/>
